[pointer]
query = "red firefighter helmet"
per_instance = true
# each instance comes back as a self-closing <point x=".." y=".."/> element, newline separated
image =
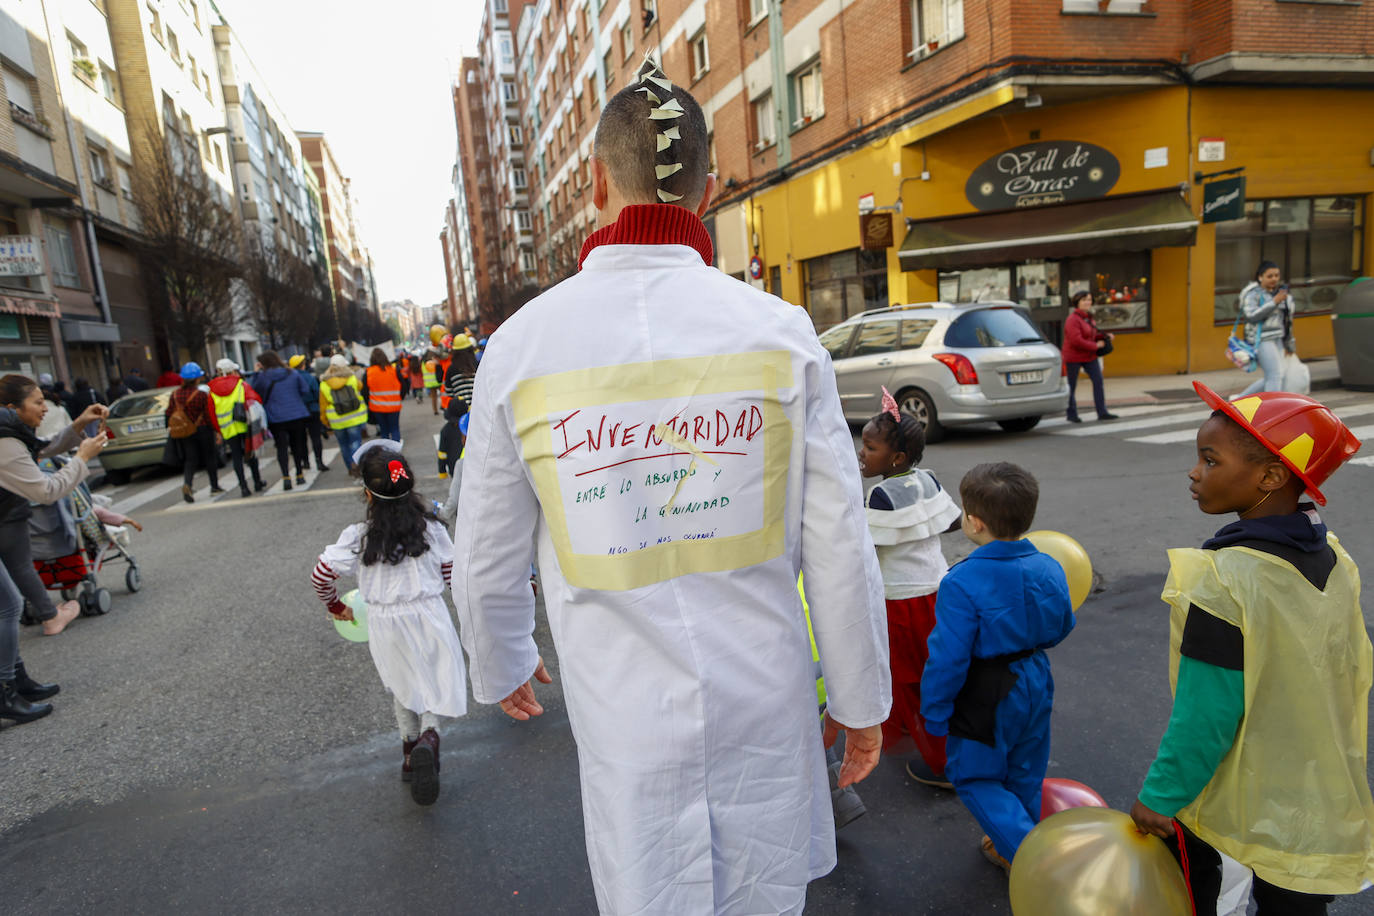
<point x="1304" y="434"/>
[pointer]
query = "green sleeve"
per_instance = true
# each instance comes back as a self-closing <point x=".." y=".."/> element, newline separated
<point x="1209" y="703"/>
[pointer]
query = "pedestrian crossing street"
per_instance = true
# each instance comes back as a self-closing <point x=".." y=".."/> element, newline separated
<point x="1176" y="424"/>
<point x="131" y="498"/>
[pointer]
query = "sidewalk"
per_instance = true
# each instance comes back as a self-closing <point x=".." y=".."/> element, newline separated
<point x="1130" y="390"/>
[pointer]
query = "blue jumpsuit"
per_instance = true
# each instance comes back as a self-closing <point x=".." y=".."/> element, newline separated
<point x="1006" y="598"/>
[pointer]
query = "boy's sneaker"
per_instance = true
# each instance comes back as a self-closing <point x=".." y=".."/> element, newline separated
<point x="424" y="768"/>
<point x="845" y="803"/>
<point x="916" y="768"/>
<point x="992" y="855"/>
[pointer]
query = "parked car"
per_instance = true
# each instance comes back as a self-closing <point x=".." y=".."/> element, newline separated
<point x="949" y="365"/>
<point x="139" y="424"/>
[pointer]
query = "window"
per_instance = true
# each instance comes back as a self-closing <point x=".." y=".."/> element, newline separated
<point x="513" y="134"/>
<point x="999" y="326"/>
<point x="522" y="220"/>
<point x="155" y="23"/>
<point x="876" y="337"/>
<point x="648" y="12"/>
<point x="914" y="332"/>
<point x="195" y="14"/>
<point x="843" y="284"/>
<point x="126" y="183"/>
<point x="109" y="84"/>
<point x="509" y="91"/>
<point x="518" y="178"/>
<point x="20" y="94"/>
<point x="757" y="10"/>
<point x="1120" y="286"/>
<point x="173" y="46"/>
<point x="700" y="62"/>
<point x="807" y="100"/>
<point x="765" y="122"/>
<point x="934" y="24"/>
<point x="1316" y="241"/>
<point x="507" y="50"/>
<point x="100" y="168"/>
<point x="527" y="261"/>
<point x="836" y="340"/>
<point x="62" y="257"/>
<point x="82" y="65"/>
<point x="205" y="79"/>
<point x="195" y="74"/>
<point x="609" y="68"/>
<point x="627" y="40"/>
<point x="1114" y="7"/>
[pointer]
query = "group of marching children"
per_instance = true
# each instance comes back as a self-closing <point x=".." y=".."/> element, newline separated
<point x="1268" y="642"/>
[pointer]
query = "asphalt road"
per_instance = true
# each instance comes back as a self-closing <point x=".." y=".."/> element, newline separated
<point x="216" y="748"/>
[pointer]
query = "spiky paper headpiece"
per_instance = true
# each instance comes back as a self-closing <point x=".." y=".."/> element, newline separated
<point x="649" y="76"/>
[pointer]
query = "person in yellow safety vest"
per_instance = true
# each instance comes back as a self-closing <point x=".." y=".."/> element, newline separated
<point x="230" y="396"/>
<point x="343" y="408"/>
<point x="845" y="804"/>
<point x="383" y="388"/>
<point x="441" y="369"/>
<point x="430" y="371"/>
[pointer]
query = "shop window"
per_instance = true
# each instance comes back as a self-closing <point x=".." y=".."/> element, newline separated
<point x="1120" y="284"/>
<point x="62" y="257"/>
<point x="1316" y="241"/>
<point x="934" y="24"/>
<point x="808" y="99"/>
<point x="843" y="284"/>
<point x="765" y="134"/>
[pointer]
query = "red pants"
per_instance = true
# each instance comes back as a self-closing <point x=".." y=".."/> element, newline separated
<point x="909" y="622"/>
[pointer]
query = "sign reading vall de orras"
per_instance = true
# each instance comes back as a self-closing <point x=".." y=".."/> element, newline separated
<point x="1048" y="172"/>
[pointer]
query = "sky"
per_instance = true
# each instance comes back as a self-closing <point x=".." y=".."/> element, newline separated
<point x="375" y="79"/>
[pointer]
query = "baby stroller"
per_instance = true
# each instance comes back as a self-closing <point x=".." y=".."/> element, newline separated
<point x="71" y="547"/>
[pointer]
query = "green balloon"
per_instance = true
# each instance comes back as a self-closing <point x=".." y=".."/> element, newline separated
<point x="354" y="630"/>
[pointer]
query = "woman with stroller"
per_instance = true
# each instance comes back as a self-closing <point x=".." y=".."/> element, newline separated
<point x="22" y="481"/>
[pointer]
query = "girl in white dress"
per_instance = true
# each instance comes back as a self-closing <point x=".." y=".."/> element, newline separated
<point x="402" y="558"/>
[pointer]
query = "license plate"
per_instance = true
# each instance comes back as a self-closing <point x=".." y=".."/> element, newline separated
<point x="142" y="426"/>
<point x="1025" y="378"/>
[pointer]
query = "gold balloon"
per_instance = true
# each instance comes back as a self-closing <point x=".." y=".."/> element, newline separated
<point x="436" y="334"/>
<point x="1078" y="569"/>
<point x="1093" y="862"/>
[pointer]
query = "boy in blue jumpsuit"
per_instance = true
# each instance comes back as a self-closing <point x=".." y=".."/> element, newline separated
<point x="987" y="683"/>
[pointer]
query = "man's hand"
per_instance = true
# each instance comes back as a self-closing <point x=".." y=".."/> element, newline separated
<point x="522" y="704"/>
<point x="1147" y="821"/>
<point x="862" y="748"/>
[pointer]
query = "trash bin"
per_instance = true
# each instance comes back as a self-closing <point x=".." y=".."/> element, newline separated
<point x="1353" y="329"/>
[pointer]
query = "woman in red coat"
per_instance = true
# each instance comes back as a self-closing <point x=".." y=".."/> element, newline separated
<point x="1082" y="345"/>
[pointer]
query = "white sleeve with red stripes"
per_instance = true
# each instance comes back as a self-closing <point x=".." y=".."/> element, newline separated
<point x="323" y="581"/>
<point x="447" y="570"/>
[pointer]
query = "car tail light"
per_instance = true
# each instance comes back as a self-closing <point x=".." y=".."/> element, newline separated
<point x="963" y="370"/>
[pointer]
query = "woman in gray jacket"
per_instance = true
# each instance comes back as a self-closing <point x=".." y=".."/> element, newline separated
<point x="1267" y="310"/>
<point x="22" y="481"/>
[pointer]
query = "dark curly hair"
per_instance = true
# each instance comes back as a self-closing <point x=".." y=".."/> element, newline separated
<point x="396" y="514"/>
<point x="907" y="436"/>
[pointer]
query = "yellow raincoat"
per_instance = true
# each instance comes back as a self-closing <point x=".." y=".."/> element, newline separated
<point x="1291" y="799"/>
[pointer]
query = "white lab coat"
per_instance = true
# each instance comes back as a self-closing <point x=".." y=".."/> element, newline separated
<point x="670" y="567"/>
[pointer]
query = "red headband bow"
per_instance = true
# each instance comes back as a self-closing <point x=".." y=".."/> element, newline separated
<point x="890" y="405"/>
<point x="398" y="471"/>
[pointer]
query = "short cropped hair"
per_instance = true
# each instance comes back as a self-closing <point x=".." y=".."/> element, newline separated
<point x="1251" y="449"/>
<point x="626" y="140"/>
<point x="1003" y="495"/>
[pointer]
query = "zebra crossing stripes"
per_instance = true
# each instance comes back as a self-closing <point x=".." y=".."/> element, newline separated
<point x="1185" y="435"/>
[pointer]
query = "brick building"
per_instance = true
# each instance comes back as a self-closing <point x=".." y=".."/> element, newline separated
<point x="955" y="118"/>
<point x="335" y="213"/>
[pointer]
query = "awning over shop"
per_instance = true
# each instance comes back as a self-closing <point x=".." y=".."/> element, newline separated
<point x="78" y="331"/>
<point x="1137" y="222"/>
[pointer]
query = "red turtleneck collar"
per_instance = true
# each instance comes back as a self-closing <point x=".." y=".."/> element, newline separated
<point x="653" y="224"/>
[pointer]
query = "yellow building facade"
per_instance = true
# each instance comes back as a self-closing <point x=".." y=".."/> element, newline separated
<point x="1307" y="157"/>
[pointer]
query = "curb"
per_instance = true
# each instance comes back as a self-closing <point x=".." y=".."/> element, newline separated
<point x="1318" y="384"/>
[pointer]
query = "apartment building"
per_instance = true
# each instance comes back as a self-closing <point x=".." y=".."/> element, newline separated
<point x="873" y="152"/>
<point x="506" y="149"/>
<point x="480" y="244"/>
<point x="335" y="205"/>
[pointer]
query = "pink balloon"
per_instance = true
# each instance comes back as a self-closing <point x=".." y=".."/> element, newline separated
<point x="1061" y="794"/>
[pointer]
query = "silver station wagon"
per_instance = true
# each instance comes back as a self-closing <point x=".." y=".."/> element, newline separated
<point x="948" y="365"/>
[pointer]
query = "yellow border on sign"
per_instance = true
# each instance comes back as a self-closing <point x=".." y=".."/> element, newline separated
<point x="535" y="399"/>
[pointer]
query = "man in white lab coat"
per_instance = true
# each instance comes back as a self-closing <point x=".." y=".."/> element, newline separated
<point x="672" y="442"/>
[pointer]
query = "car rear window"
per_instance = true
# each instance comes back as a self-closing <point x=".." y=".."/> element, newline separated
<point x="997" y="327"/>
<point x="137" y="405"/>
<point x="836" y="340"/>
